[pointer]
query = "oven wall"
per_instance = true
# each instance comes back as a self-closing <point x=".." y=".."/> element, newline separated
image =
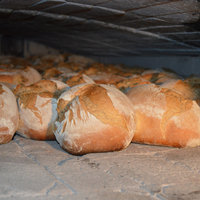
<point x="21" y="47"/>
<point x="184" y="65"/>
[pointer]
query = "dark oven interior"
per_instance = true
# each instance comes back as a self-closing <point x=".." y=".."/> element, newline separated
<point x="163" y="33"/>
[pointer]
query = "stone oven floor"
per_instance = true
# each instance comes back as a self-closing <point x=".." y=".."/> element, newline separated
<point x="42" y="170"/>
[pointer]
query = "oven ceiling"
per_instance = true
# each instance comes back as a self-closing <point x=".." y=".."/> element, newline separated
<point x="106" y="27"/>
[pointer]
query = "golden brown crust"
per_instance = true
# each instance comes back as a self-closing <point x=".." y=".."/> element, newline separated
<point x="175" y="105"/>
<point x="98" y="78"/>
<point x="72" y="66"/>
<point x="5" y="138"/>
<point x="25" y="76"/>
<point x="1" y="90"/>
<point x="96" y="101"/>
<point x="39" y="87"/>
<point x="181" y="87"/>
<point x="92" y="122"/>
<point x="51" y="72"/>
<point x="13" y="79"/>
<point x="37" y="101"/>
<point x="131" y="82"/>
<point x="75" y="80"/>
<point x="168" y="121"/>
<point x="158" y="77"/>
<point x="14" y="61"/>
<point x="194" y="83"/>
<point x="8" y="113"/>
<point x="97" y="142"/>
<point x="38" y="135"/>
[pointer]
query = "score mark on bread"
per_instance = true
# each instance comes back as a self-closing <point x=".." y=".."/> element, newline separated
<point x="89" y="121"/>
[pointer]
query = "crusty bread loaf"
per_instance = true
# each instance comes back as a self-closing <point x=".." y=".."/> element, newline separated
<point x="25" y="76"/>
<point x="80" y="60"/>
<point x="9" y="116"/>
<point x="183" y="88"/>
<point x="59" y="73"/>
<point x="59" y="85"/>
<point x="164" y="117"/>
<point x="94" y="118"/>
<point x="31" y="75"/>
<point x="99" y="78"/>
<point x="37" y="109"/>
<point x="133" y="81"/>
<point x="79" y="79"/>
<point x="14" y="62"/>
<point x="158" y="76"/>
<point x="194" y="83"/>
<point x="106" y="78"/>
<point x="49" y="60"/>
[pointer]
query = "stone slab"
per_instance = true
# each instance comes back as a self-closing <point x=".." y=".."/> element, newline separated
<point x="42" y="170"/>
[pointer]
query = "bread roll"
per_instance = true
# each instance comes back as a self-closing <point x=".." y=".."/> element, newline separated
<point x="37" y="109"/>
<point x="9" y="116"/>
<point x="164" y="117"/>
<point x="94" y="118"/>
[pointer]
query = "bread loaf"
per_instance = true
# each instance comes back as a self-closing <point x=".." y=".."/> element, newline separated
<point x="26" y="76"/>
<point x="133" y="81"/>
<point x="79" y="79"/>
<point x="14" y="62"/>
<point x="59" y="73"/>
<point x="164" y="117"/>
<point x="9" y="116"/>
<point x="158" y="76"/>
<point x="181" y="87"/>
<point x="94" y="118"/>
<point x="37" y="109"/>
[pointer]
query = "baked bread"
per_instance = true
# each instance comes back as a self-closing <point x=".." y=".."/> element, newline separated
<point x="94" y="118"/>
<point x="31" y="75"/>
<point x="9" y="116"/>
<point x="79" y="79"/>
<point x="182" y="87"/>
<point x="49" y="60"/>
<point x="194" y="83"/>
<point x="59" y="73"/>
<point x="80" y="60"/>
<point x="126" y="84"/>
<point x="14" y="62"/>
<point x="37" y="109"/>
<point x="119" y="70"/>
<point x="164" y="117"/>
<point x="158" y="76"/>
<point x="26" y="76"/>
